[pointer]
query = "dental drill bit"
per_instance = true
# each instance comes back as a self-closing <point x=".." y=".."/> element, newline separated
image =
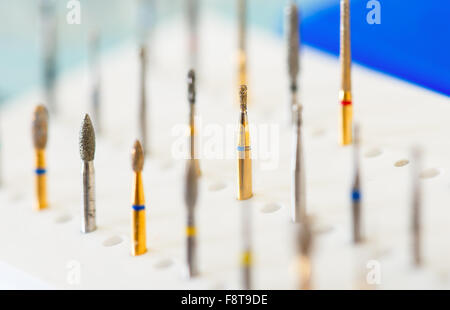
<point x="356" y="188"/>
<point x="193" y="129"/>
<point x="246" y="259"/>
<point x="190" y="197"/>
<point x="293" y="41"/>
<point x="192" y="20"/>
<point x="345" y="94"/>
<point x="40" y="131"/>
<point x="87" y="152"/>
<point x="298" y="200"/>
<point x="244" y="151"/>
<point x="242" y="42"/>
<point x="145" y="20"/>
<point x="138" y="231"/>
<point x="305" y="244"/>
<point x="416" y="212"/>
<point x="142" y="117"/>
<point x="49" y="51"/>
<point x="94" y="51"/>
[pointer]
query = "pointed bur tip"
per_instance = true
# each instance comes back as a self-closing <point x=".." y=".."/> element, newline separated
<point x="40" y="127"/>
<point x="87" y="139"/>
<point x="243" y="96"/>
<point x="137" y="157"/>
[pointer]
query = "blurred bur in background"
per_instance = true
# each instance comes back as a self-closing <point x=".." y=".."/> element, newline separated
<point x="116" y="20"/>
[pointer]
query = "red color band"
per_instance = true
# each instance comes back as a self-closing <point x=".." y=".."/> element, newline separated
<point x="346" y="102"/>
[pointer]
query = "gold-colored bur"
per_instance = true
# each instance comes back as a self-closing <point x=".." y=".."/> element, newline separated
<point x="345" y="95"/>
<point x="244" y="151"/>
<point x="138" y="231"/>
<point x="39" y="132"/>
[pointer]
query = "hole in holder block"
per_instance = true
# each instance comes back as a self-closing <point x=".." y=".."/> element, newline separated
<point x="163" y="263"/>
<point x="429" y="173"/>
<point x="373" y="153"/>
<point x="217" y="186"/>
<point x="64" y="218"/>
<point x="271" y="207"/>
<point x="166" y="164"/>
<point x="112" y="241"/>
<point x="401" y="163"/>
<point x="318" y="132"/>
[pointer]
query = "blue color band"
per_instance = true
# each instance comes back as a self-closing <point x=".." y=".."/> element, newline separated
<point x="40" y="171"/>
<point x="138" y="208"/>
<point x="244" y="148"/>
<point x="356" y="195"/>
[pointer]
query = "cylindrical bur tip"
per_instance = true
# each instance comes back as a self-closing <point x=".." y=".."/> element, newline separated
<point x="293" y="40"/>
<point x="191" y="86"/>
<point x="87" y="139"/>
<point x="137" y="157"/>
<point x="243" y="97"/>
<point x="40" y="127"/>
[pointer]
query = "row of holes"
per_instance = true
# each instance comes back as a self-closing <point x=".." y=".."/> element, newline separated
<point x="267" y="208"/>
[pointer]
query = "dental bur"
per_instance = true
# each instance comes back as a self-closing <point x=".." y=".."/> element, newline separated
<point x="87" y="152"/>
<point x="138" y="221"/>
<point x="39" y="132"/>
<point x="244" y="151"/>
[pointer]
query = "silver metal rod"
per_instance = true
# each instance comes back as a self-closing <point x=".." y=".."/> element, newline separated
<point x="88" y="210"/>
<point x="142" y="118"/>
<point x="246" y="247"/>
<point x="95" y="80"/>
<point x="298" y="201"/>
<point x="190" y="196"/>
<point x="191" y="254"/>
<point x="192" y="20"/>
<point x="49" y="51"/>
<point x="416" y="212"/>
<point x="293" y="49"/>
<point x="356" y="189"/>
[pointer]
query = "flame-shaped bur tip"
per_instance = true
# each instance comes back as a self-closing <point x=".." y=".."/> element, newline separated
<point x="40" y="127"/>
<point x="87" y="139"/>
<point x="137" y="157"/>
<point x="243" y="96"/>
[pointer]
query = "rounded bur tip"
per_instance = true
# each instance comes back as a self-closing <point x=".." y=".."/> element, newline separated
<point x="243" y="96"/>
<point x="40" y="127"/>
<point x="137" y="157"/>
<point x="87" y="139"/>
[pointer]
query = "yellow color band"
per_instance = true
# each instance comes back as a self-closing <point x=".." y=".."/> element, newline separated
<point x="191" y="231"/>
<point x="246" y="258"/>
